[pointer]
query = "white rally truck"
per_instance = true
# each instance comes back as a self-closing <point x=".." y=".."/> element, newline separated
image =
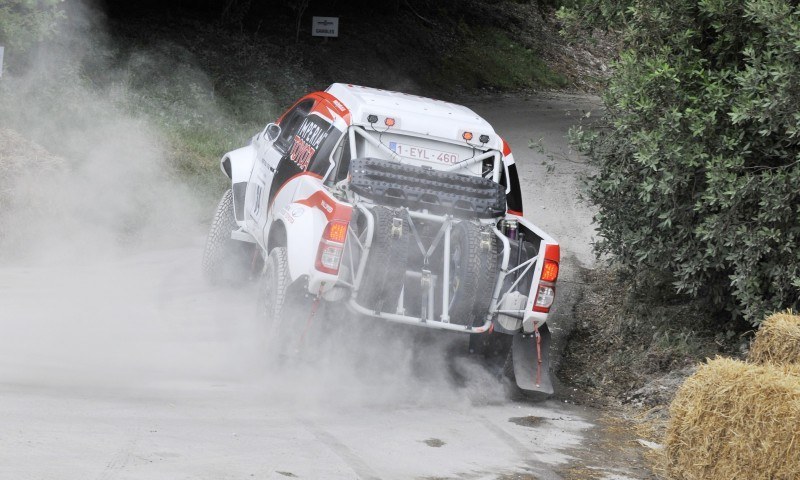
<point x="401" y="208"/>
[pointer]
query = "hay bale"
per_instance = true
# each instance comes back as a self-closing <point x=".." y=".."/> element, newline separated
<point x="777" y="340"/>
<point x="736" y="420"/>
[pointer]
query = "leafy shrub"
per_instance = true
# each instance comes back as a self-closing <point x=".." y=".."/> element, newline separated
<point x="698" y="168"/>
<point x="23" y="22"/>
<point x="488" y="56"/>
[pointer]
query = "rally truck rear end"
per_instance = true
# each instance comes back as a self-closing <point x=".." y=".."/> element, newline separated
<point x="403" y="209"/>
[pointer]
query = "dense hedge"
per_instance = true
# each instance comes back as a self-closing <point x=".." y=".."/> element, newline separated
<point x="23" y="22"/>
<point x="698" y="170"/>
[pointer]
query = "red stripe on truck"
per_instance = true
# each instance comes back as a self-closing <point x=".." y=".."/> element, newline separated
<point x="328" y="206"/>
<point x="336" y="105"/>
<point x="552" y="252"/>
<point x="506" y="148"/>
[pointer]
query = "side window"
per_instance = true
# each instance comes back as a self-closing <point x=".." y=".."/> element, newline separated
<point x="343" y="168"/>
<point x="318" y="138"/>
<point x="291" y="123"/>
<point x="513" y="197"/>
<point x="341" y="162"/>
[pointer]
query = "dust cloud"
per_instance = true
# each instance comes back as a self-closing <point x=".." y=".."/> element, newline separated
<point x="95" y="222"/>
<point x="100" y="247"/>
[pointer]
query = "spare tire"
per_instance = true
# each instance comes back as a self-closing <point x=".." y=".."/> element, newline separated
<point x="473" y="272"/>
<point x="384" y="273"/>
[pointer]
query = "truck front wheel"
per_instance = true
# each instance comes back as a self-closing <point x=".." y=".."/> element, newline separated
<point x="226" y="260"/>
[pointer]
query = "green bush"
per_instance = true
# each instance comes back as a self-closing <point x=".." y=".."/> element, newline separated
<point x="23" y="22"/>
<point x="489" y="57"/>
<point x="698" y="168"/>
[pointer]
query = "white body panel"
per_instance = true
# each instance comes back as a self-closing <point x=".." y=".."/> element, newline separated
<point x="415" y="115"/>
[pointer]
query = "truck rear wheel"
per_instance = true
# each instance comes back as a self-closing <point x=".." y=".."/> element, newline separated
<point x="226" y="260"/>
<point x="386" y="266"/>
<point x="281" y="304"/>
<point x="473" y="271"/>
<point x="492" y="348"/>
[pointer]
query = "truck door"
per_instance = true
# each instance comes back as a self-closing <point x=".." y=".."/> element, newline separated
<point x="269" y="155"/>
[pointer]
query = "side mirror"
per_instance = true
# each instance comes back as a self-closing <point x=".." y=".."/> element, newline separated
<point x="272" y="132"/>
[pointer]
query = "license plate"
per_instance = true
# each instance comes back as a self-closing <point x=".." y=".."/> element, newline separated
<point x="423" y="153"/>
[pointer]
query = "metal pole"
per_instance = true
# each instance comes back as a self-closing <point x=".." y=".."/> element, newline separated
<point x="446" y="276"/>
<point x="365" y="253"/>
<point x="503" y="267"/>
<point x="377" y="144"/>
<point x="351" y="134"/>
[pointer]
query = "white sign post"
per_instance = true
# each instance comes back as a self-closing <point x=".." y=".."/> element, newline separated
<point x="325" y="26"/>
<point x="2" y="49"/>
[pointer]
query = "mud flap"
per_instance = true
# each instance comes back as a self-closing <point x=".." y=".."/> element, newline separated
<point x="525" y="361"/>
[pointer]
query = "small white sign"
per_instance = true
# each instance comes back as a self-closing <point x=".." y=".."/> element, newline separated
<point x="325" y="26"/>
<point x="2" y="49"/>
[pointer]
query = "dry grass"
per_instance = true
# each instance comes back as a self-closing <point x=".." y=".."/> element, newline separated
<point x="777" y="340"/>
<point x="736" y="420"/>
<point x="583" y="473"/>
<point x="24" y="168"/>
<point x="18" y="156"/>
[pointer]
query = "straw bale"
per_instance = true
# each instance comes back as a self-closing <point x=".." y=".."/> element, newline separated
<point x="736" y="420"/>
<point x="777" y="340"/>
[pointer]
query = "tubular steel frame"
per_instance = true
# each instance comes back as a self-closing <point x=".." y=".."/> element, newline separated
<point x="447" y="222"/>
<point x="443" y="235"/>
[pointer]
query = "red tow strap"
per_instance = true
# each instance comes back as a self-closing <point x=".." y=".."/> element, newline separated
<point x="314" y="307"/>
<point x="538" y="354"/>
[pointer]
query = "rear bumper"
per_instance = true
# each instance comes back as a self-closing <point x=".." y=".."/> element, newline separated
<point x="407" y="320"/>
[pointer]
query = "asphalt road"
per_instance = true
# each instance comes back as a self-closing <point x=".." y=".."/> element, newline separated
<point x="131" y="367"/>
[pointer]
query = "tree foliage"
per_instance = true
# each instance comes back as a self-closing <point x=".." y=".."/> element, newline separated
<point x="23" y="22"/>
<point x="698" y="169"/>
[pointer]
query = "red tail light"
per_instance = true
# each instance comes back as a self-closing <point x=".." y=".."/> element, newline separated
<point x="549" y="271"/>
<point x="331" y="247"/>
<point x="546" y="292"/>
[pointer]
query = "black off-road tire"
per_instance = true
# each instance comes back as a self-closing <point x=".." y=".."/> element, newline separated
<point x="492" y="349"/>
<point x="281" y="304"/>
<point x="473" y="272"/>
<point x="226" y="260"/>
<point x="385" y="271"/>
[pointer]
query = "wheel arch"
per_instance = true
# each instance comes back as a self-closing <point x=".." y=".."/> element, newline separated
<point x="299" y="235"/>
<point x="277" y="236"/>
<point x="237" y="165"/>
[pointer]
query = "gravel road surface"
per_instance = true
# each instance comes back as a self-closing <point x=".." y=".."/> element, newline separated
<point x="130" y="367"/>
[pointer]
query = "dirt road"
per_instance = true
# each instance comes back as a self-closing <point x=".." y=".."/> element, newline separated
<point x="131" y="367"/>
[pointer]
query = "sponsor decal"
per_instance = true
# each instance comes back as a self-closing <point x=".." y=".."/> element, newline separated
<point x="287" y="216"/>
<point x="307" y="140"/>
<point x="325" y="205"/>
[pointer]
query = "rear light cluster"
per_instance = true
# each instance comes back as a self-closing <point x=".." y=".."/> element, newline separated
<point x="546" y="292"/>
<point x="331" y="247"/>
